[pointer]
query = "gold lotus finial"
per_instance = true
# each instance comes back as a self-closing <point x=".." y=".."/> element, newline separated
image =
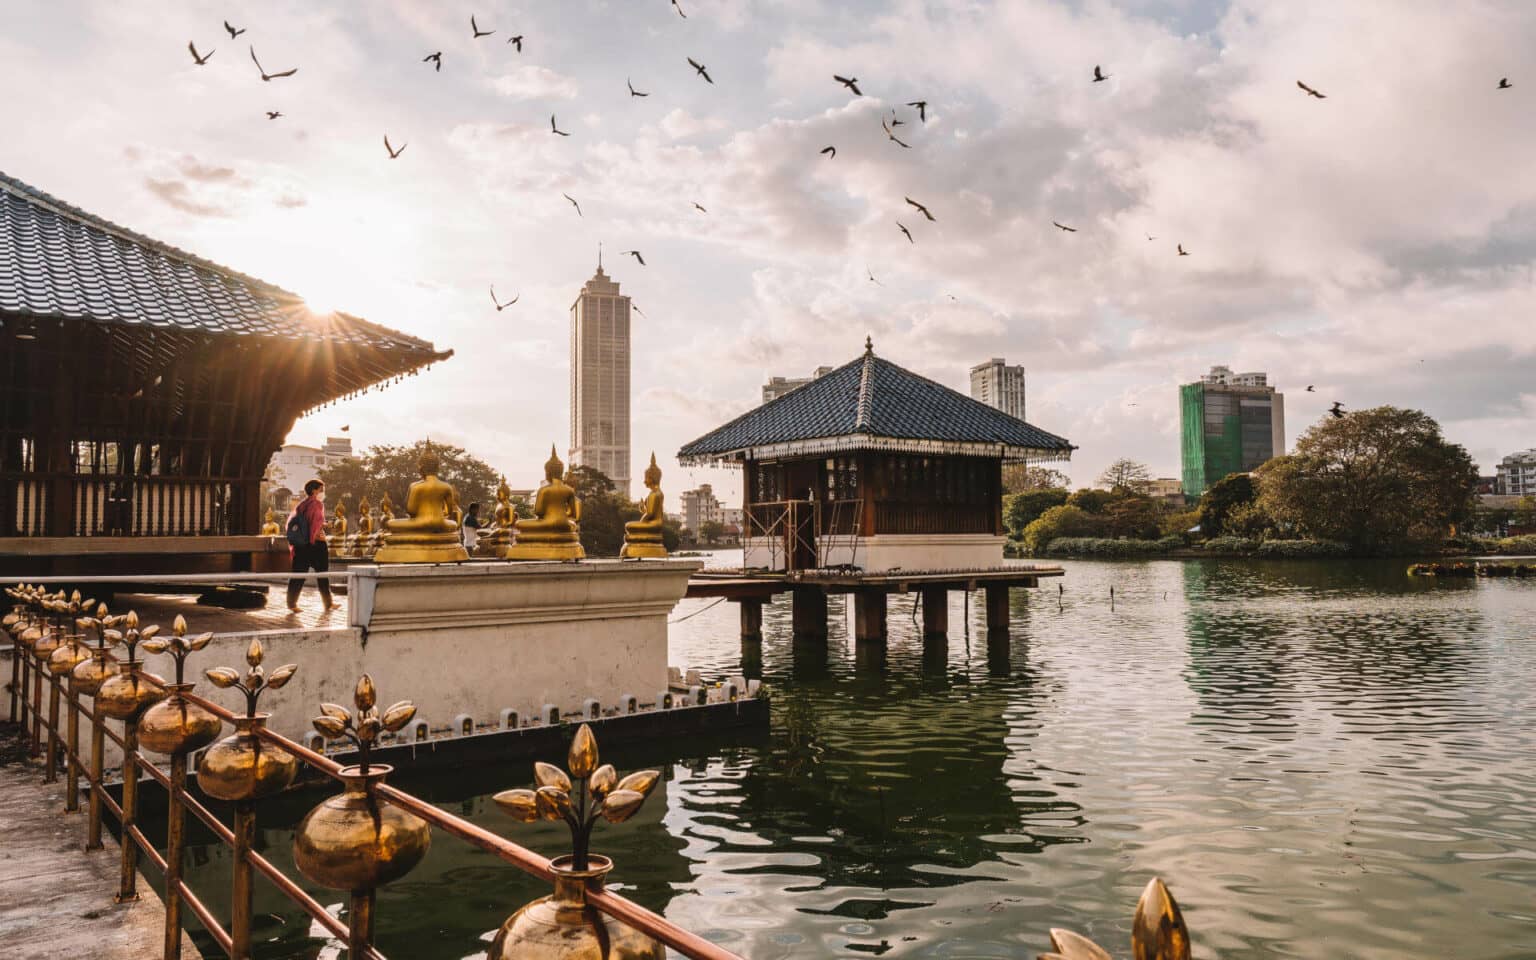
<point x="598" y="793"/>
<point x="256" y="680"/>
<point x="1157" y="932"/>
<point x="132" y="636"/>
<point x="338" y="723"/>
<point x="178" y="645"/>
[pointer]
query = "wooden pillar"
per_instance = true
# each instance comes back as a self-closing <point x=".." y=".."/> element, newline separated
<point x="809" y="613"/>
<point x="869" y="616"/>
<point x="997" y="615"/>
<point x="751" y="620"/>
<point x="935" y="614"/>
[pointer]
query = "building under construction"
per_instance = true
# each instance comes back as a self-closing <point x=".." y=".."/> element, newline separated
<point x="1229" y="423"/>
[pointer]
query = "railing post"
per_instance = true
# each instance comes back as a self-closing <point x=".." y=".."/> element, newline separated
<point x="37" y="709"/>
<point x="359" y="922"/>
<point x="240" y="880"/>
<point x="72" y="762"/>
<point x="93" y="809"/>
<point x="52" y="774"/>
<point x="15" y="678"/>
<point x="22" y="666"/>
<point x="175" y="839"/>
<point x="127" y="884"/>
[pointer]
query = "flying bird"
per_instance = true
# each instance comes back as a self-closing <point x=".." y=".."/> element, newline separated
<point x="1182" y="251"/>
<point x="233" y="33"/>
<point x="872" y="279"/>
<point x="554" y="128"/>
<point x="1310" y="92"/>
<point x="635" y="254"/>
<point x="1311" y="388"/>
<point x="476" y="28"/>
<point x="345" y="427"/>
<point x="922" y="109"/>
<point x="273" y="114"/>
<point x="831" y="152"/>
<point x="904" y="230"/>
<point x="632" y="91"/>
<point x="1099" y="76"/>
<point x="1504" y="83"/>
<point x="268" y="77"/>
<point x="699" y="69"/>
<point x="1062" y="226"/>
<point x="393" y="153"/>
<point x="699" y="208"/>
<point x="198" y="60"/>
<point x="891" y="136"/>
<point x="1150" y="237"/>
<point x="852" y="83"/>
<point x="1337" y="410"/>
<point x="436" y="58"/>
<point x="573" y="203"/>
<point x="499" y="305"/>
<point x="920" y="207"/>
<point x="518" y="41"/>
<point x="679" y="10"/>
<point x="636" y="307"/>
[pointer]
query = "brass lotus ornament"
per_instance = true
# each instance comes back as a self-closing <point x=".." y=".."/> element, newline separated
<point x="352" y="841"/>
<point x="563" y="924"/>
<point x="90" y="674"/>
<point x="127" y="693"/>
<point x="242" y="766"/>
<point x="177" y="725"/>
<point x="1157" y="932"/>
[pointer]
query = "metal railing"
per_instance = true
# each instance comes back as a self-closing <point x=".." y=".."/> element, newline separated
<point x="32" y="676"/>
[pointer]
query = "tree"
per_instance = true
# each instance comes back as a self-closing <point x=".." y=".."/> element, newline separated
<point x="588" y="481"/>
<point x="1063" y="521"/>
<point x="1022" y="509"/>
<point x="710" y="531"/>
<point x="1224" y="496"/>
<point x="1378" y="480"/>
<point x="1126" y="476"/>
<point x="1024" y="478"/>
<point x="392" y="470"/>
<point x="604" y="511"/>
<point x="1135" y="517"/>
<point x="1091" y="501"/>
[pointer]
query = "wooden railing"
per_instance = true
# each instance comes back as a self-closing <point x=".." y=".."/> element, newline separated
<point x="933" y="518"/>
<point x="122" y="506"/>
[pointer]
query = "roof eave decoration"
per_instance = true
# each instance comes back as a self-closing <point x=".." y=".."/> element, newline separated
<point x="849" y="443"/>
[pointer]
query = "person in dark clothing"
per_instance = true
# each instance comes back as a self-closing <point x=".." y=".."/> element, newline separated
<point x="306" y="538"/>
<point x="470" y="527"/>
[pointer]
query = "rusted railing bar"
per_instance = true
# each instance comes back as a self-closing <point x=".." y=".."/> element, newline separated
<point x="520" y="857"/>
<point x="147" y="848"/>
<point x="226" y="835"/>
<point x="159" y="776"/>
<point x="654" y="924"/>
<point x="205" y="917"/>
<point x="311" y="906"/>
<point x="110" y="805"/>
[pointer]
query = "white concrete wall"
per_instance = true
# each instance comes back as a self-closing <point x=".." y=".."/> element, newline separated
<point x="919" y="551"/>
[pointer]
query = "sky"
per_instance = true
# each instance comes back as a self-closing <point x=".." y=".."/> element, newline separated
<point x="1377" y="244"/>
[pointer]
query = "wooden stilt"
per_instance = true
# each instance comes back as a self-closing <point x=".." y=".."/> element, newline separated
<point x="997" y="615"/>
<point x="869" y="616"/>
<point x="935" y="615"/>
<point x="809" y="613"/>
<point x="751" y="621"/>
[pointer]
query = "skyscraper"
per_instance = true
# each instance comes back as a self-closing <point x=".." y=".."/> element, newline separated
<point x="998" y="385"/>
<point x="1229" y="423"/>
<point x="600" y="379"/>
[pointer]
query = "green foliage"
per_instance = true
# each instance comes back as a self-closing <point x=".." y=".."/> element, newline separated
<point x="1178" y="524"/>
<point x="1063" y="521"/>
<point x="390" y="469"/>
<point x="1023" y="478"/>
<point x="710" y="531"/>
<point x="1092" y="501"/>
<point x="588" y="482"/>
<point x="1230" y="545"/>
<point x="1126" y="476"/>
<point x="1248" y="520"/>
<point x="1022" y="509"/>
<point x="1102" y="547"/>
<point x="1380" y="480"/>
<point x="1301" y="549"/>
<point x="1523" y="544"/>
<point x="1134" y="516"/>
<point x="1225" y="495"/>
<point x="671" y="534"/>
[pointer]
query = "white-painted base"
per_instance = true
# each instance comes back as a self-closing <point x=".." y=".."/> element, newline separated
<point x="927" y="551"/>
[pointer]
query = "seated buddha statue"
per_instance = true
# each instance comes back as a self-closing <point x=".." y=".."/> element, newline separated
<point x="271" y="528"/>
<point x="498" y="536"/>
<point x="363" y="538"/>
<point x="642" y="538"/>
<point x="338" y="534"/>
<point x="429" y="531"/>
<point x="552" y="533"/>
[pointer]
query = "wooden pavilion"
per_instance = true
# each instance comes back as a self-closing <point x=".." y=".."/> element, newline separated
<point x="876" y="468"/>
<point x="143" y="391"/>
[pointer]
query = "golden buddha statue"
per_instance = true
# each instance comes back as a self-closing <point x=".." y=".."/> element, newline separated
<point x="429" y="532"/>
<point x="552" y="533"/>
<point x="498" y="536"/>
<point x="362" y="541"/>
<point x="271" y="528"/>
<point x="339" y="525"/>
<point x="642" y="538"/>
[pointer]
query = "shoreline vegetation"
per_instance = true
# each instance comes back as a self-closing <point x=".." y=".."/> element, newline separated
<point x="1374" y="483"/>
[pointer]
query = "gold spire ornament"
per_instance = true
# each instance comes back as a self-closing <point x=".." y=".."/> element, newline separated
<point x="270" y="528"/>
<point x="552" y="533"/>
<point x="1157" y="932"/>
<point x="643" y="537"/>
<point x="563" y="924"/>
<point x="243" y="766"/>
<point x="177" y="725"/>
<point x="430" y="531"/>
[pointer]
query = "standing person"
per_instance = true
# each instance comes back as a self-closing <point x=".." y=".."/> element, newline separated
<point x="470" y="531"/>
<point x="306" y="538"/>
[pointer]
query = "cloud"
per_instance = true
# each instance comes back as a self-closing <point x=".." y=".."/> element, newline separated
<point x="180" y="195"/>
<point x="533" y="82"/>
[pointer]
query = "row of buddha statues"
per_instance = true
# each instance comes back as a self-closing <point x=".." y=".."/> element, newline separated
<point x="430" y="530"/>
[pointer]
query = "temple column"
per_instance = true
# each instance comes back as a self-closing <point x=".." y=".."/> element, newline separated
<point x="997" y="628"/>
<point x="809" y="613"/>
<point x="869" y="616"/>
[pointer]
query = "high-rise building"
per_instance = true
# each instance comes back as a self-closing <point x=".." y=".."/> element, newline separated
<point x="776" y="387"/>
<point x="999" y="386"/>
<point x="600" y="379"/>
<point x="700" y="506"/>
<point x="1229" y="423"/>
<point x="1517" y="474"/>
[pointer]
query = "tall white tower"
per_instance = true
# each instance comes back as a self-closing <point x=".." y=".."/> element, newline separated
<point x="600" y="379"/>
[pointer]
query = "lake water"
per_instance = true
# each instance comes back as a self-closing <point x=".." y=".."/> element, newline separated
<point x="1322" y="759"/>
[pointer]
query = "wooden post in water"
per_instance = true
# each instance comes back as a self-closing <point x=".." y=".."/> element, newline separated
<point x="869" y="616"/>
<point x="751" y="620"/>
<point x="935" y="615"/>
<point x="809" y="613"/>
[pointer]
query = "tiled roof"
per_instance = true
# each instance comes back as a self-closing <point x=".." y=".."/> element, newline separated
<point x="872" y="403"/>
<point x="58" y="261"/>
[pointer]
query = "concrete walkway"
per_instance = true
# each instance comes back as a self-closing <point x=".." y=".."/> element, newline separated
<point x="55" y="899"/>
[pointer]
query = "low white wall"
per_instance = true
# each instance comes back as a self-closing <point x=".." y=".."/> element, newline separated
<point x="922" y="551"/>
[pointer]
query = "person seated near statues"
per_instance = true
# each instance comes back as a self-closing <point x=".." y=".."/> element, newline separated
<point x="271" y="528"/>
<point x="429" y="532"/>
<point x="498" y="535"/>
<point x="643" y="537"/>
<point x="552" y="533"/>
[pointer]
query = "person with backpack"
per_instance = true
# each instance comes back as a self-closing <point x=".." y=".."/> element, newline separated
<point x="306" y="539"/>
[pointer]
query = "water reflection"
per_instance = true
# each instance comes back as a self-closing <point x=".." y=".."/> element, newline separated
<point x="1325" y="759"/>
